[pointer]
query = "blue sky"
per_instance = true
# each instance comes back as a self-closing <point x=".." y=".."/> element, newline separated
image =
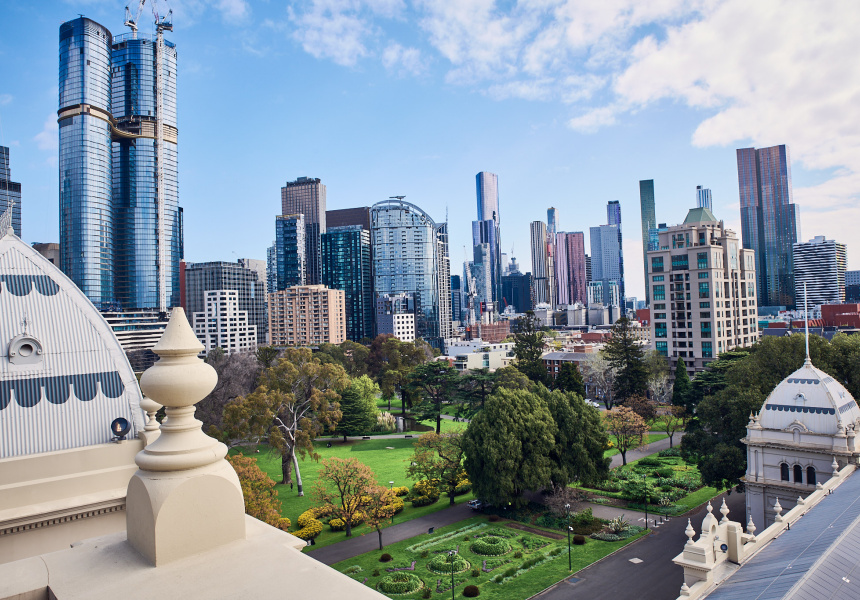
<point x="571" y="103"/>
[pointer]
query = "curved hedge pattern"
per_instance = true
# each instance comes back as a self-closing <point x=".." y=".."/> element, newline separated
<point x="442" y="563"/>
<point x="400" y="583"/>
<point x="490" y="545"/>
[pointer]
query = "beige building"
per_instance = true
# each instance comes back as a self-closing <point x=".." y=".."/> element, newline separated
<point x="703" y="291"/>
<point x="223" y="325"/>
<point x="307" y="315"/>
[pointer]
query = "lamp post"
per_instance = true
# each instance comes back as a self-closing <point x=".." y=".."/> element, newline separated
<point x="451" y="555"/>
<point x="645" y="492"/>
<point x="390" y="485"/>
<point x="569" y="557"/>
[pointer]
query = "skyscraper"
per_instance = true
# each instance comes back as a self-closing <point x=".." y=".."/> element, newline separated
<point x="562" y="269"/>
<point x="703" y="198"/>
<point x="290" y="247"/>
<point x="770" y="221"/>
<point x="487" y="228"/>
<point x="346" y="266"/>
<point x="306" y="196"/>
<point x="606" y="262"/>
<point x="410" y="254"/>
<point x="517" y="291"/>
<point x="613" y="217"/>
<point x="578" y="278"/>
<point x="820" y="264"/>
<point x="649" y="221"/>
<point x="120" y="222"/>
<point x="456" y="298"/>
<point x="10" y="192"/>
<point x="539" y="262"/>
<point x="551" y="231"/>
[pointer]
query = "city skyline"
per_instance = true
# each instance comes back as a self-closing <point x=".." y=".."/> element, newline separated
<point x="382" y="130"/>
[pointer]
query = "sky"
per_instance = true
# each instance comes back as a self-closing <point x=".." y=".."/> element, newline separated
<point x="569" y="102"/>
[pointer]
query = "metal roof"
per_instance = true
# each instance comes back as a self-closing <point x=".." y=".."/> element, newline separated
<point x="818" y="558"/>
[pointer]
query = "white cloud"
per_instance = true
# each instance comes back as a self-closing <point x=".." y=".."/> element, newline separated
<point x="594" y="119"/>
<point x="236" y="10"/>
<point x="397" y="58"/>
<point x="5" y="99"/>
<point x="48" y="138"/>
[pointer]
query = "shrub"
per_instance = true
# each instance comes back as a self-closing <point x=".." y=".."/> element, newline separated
<point x="463" y="488"/>
<point x="670" y="452"/>
<point x="337" y="525"/>
<point x="444" y="563"/>
<point x="518" y="554"/>
<point x="400" y="582"/>
<point x="425" y="553"/>
<point x="426" y="487"/>
<point x="400" y="490"/>
<point x="490" y="545"/>
<point x="583" y="517"/>
<point x="386" y="557"/>
<point x="385" y="421"/>
<point x="466" y="538"/>
<point x="494" y="518"/>
<point x="649" y="461"/>
<point x="555" y="551"/>
<point x="510" y="572"/>
<point x="309" y="524"/>
<point x="376" y="572"/>
<point x="424" y="500"/>
<point x="579" y="540"/>
<point x="471" y="591"/>
<point x="426" y="593"/>
<point x="665" y="472"/>
<point x="606" y="537"/>
<point x="353" y="569"/>
<point x="476" y="572"/>
<point x="258" y="491"/>
<point x="618" y="524"/>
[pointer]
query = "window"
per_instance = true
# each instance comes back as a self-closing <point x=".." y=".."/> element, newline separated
<point x="706" y="329"/>
<point x="702" y="260"/>
<point x="659" y="330"/>
<point x="659" y="307"/>
<point x="657" y="264"/>
<point x="704" y="305"/>
<point x="707" y="350"/>
<point x="703" y="275"/>
<point x="663" y="348"/>
<point x="659" y="315"/>
<point x="704" y="290"/>
<point x="657" y="278"/>
<point x="659" y="292"/>
<point x="783" y="472"/>
<point x="798" y="474"/>
<point x="810" y="476"/>
<point x="680" y="263"/>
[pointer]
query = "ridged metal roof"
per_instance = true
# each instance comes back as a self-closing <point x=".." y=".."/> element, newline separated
<point x="63" y="375"/>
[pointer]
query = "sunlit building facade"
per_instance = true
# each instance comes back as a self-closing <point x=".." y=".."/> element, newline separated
<point x="346" y="266"/>
<point x="307" y="196"/>
<point x="647" y="206"/>
<point x="290" y="248"/>
<point x="10" y="191"/>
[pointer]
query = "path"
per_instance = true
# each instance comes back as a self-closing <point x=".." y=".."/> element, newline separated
<point x="642" y="452"/>
<point x="396" y="533"/>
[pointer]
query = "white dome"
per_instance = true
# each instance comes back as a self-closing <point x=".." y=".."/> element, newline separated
<point x="813" y="398"/>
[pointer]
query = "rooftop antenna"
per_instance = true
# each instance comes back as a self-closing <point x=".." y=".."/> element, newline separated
<point x="806" y="318"/>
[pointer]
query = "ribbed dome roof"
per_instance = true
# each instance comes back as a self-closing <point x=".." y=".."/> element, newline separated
<point x="814" y="398"/>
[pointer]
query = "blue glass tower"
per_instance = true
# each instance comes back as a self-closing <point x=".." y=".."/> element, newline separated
<point x="290" y="257"/>
<point x="346" y="266"/>
<point x="10" y="191"/>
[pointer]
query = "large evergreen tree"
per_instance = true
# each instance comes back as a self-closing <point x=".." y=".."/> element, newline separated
<point x="358" y="407"/>
<point x="569" y="379"/>
<point x="528" y="348"/>
<point x="626" y="356"/>
<point x="436" y="383"/>
<point x="681" y="390"/>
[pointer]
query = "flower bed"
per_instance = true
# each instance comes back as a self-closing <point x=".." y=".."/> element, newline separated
<point x="490" y="545"/>
<point x="443" y="563"/>
<point x="400" y="583"/>
<point x="445" y="538"/>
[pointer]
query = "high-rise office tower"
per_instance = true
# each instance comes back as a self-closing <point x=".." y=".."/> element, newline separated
<point x="456" y="298"/>
<point x="343" y="217"/>
<point x="649" y="221"/>
<point x="290" y="248"/>
<point x="578" y="277"/>
<point x="562" y="269"/>
<point x="852" y="286"/>
<point x="486" y="229"/>
<point x="306" y="196"/>
<point x="539" y="262"/>
<point x="271" y="269"/>
<point x="346" y="266"/>
<point x="703" y="198"/>
<point x="482" y="275"/>
<point x="820" y="264"/>
<point x="587" y="269"/>
<point x="10" y="192"/>
<point x="410" y="254"/>
<point x="249" y="288"/>
<point x="606" y="265"/>
<point x="770" y="221"/>
<point x="551" y="231"/>
<point x="613" y="217"/>
<point x="517" y="291"/>
<point x="120" y="223"/>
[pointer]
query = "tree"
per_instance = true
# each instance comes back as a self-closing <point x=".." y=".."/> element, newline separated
<point x="258" y="490"/>
<point x="625" y="355"/>
<point x="436" y="382"/>
<point x="379" y="507"/>
<point x="511" y="378"/>
<point x="438" y="456"/>
<point x="237" y="376"/>
<point x="659" y="385"/>
<point x="600" y="376"/>
<point x="507" y="447"/>
<point x="340" y="485"/>
<point x="350" y="355"/>
<point x="645" y="408"/>
<point x="528" y="348"/>
<point x="674" y="420"/>
<point x="628" y="428"/>
<point x="358" y="407"/>
<point x="681" y="389"/>
<point x="390" y="362"/>
<point x="295" y="402"/>
<point x="580" y="439"/>
<point x="569" y="379"/>
<point x="475" y="386"/>
<point x="266" y="356"/>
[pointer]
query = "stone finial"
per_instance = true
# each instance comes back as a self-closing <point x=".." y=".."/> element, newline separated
<point x="751" y="527"/>
<point x="752" y="421"/>
<point x="777" y="508"/>
<point x="840" y="430"/>
<point x="800" y="501"/>
<point x="690" y="533"/>
<point x="835" y="466"/>
<point x="685" y="590"/>
<point x="724" y="510"/>
<point x="186" y="498"/>
<point x="151" y="430"/>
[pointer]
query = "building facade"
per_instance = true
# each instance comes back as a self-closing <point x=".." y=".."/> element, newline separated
<point x="120" y="221"/>
<point x="395" y="315"/>
<point x="346" y="266"/>
<point x="51" y="251"/>
<point x="852" y="286"/>
<point x="290" y="251"/>
<point x="306" y="196"/>
<point x="517" y="292"/>
<point x="10" y="191"/>
<point x="703" y="198"/>
<point x="201" y="278"/>
<point x="410" y="254"/>
<point x="578" y="278"/>
<point x="703" y="291"/>
<point x="606" y="261"/>
<point x="307" y="315"/>
<point x="562" y="270"/>
<point x="770" y="221"/>
<point x="222" y="325"/>
<point x="487" y="228"/>
<point x="819" y="264"/>
<point x="647" y="206"/>
<point x="539" y="262"/>
<point x="456" y="298"/>
<point x="344" y="217"/>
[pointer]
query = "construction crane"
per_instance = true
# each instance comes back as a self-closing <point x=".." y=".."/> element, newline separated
<point x="162" y="24"/>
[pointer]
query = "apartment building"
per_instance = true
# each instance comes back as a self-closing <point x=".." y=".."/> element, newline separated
<point x="307" y="315"/>
<point x="223" y="325"/>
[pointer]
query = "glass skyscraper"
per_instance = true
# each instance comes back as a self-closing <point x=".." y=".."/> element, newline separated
<point x="290" y="246"/>
<point x="109" y="212"/>
<point x="770" y="221"/>
<point x="649" y="221"/>
<point x="578" y="279"/>
<point x="606" y="265"/>
<point x="10" y="192"/>
<point x="306" y="196"/>
<point x="539" y="262"/>
<point x="410" y="254"/>
<point x="613" y="217"/>
<point x="703" y="198"/>
<point x="487" y="228"/>
<point x="346" y="266"/>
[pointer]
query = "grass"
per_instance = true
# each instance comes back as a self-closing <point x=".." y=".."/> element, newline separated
<point x="651" y="438"/>
<point x="523" y="586"/>
<point x="389" y="465"/>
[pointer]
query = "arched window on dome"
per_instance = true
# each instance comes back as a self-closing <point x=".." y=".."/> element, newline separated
<point x="783" y="471"/>
<point x="798" y="474"/>
<point x="810" y="476"/>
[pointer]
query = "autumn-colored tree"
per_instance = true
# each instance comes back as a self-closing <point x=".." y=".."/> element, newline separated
<point x="438" y="456"/>
<point x="675" y="420"/>
<point x="295" y="402"/>
<point x="628" y="428"/>
<point x="379" y="506"/>
<point x="645" y="408"/>
<point x="340" y="485"/>
<point x="258" y="490"/>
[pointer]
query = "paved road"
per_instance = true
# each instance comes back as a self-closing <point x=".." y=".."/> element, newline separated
<point x="641" y="452"/>
<point x="396" y="533"/>
<point x="656" y="577"/>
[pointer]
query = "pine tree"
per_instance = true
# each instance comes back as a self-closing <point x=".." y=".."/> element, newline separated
<point x="569" y="380"/>
<point x="358" y="407"/>
<point x="682" y="386"/>
<point x="625" y="355"/>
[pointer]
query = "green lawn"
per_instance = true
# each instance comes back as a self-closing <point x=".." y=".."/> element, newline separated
<point x="524" y="585"/>
<point x="652" y="437"/>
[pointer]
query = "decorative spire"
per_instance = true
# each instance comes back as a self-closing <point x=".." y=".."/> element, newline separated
<point x="724" y="510"/>
<point x="751" y="526"/>
<point x="835" y="466"/>
<point x="690" y="533"/>
<point x="6" y="220"/>
<point x="777" y="508"/>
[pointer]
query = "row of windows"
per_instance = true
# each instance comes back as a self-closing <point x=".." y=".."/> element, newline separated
<point x="798" y="474"/>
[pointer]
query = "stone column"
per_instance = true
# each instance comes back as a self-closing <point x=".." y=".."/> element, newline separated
<point x="185" y="498"/>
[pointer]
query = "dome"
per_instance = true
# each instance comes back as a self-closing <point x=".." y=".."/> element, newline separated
<point x="63" y="375"/>
<point x="813" y="398"/>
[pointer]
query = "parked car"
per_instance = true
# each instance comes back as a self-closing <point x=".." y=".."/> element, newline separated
<point x="476" y="504"/>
